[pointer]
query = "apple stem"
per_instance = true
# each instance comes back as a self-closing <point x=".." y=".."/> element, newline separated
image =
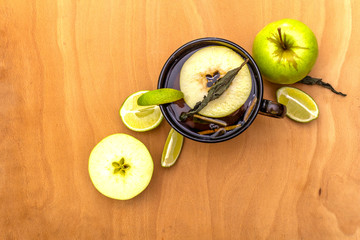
<point x="281" y="40"/>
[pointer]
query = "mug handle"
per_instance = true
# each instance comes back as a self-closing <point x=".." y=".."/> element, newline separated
<point x="272" y="109"/>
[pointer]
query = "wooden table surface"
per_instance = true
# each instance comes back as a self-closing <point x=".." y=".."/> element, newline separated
<point x="67" y="66"/>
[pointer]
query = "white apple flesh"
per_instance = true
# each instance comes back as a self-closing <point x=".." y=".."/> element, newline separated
<point x="120" y="166"/>
<point x="285" y="51"/>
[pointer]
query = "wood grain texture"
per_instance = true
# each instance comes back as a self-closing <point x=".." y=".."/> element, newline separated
<point x="67" y="66"/>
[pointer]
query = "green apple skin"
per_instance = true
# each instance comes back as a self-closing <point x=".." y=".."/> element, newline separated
<point x="135" y="155"/>
<point x="292" y="64"/>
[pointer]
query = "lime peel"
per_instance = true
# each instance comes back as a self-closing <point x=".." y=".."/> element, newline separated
<point x="160" y="96"/>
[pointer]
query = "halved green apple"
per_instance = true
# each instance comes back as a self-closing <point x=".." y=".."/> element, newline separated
<point x="209" y="63"/>
<point x="120" y="166"/>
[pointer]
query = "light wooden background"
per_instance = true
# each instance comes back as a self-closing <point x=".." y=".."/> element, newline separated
<point x="67" y="66"/>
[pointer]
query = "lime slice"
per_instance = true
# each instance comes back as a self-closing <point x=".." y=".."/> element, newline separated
<point x="160" y="96"/>
<point x="300" y="106"/>
<point x="172" y="148"/>
<point x="139" y="118"/>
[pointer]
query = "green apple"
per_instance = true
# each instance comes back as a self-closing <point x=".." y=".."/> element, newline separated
<point x="285" y="51"/>
<point x="120" y="166"/>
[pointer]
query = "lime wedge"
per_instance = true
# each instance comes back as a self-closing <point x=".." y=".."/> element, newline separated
<point x="139" y="118"/>
<point x="172" y="148"/>
<point x="160" y="96"/>
<point x="300" y="106"/>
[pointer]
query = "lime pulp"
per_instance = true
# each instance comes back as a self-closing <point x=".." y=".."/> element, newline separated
<point x="172" y="148"/>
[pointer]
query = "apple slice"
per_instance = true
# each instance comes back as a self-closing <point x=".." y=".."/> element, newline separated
<point x="209" y="64"/>
<point x="120" y="166"/>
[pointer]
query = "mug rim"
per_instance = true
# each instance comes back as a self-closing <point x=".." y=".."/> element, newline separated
<point x="173" y="59"/>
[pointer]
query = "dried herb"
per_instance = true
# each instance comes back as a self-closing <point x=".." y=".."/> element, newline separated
<point x="211" y="120"/>
<point x="318" y="81"/>
<point x="250" y="108"/>
<point x="215" y="91"/>
<point x="228" y="128"/>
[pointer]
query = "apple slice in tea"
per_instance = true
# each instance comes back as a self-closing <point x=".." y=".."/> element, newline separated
<point x="200" y="72"/>
<point x="120" y="166"/>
